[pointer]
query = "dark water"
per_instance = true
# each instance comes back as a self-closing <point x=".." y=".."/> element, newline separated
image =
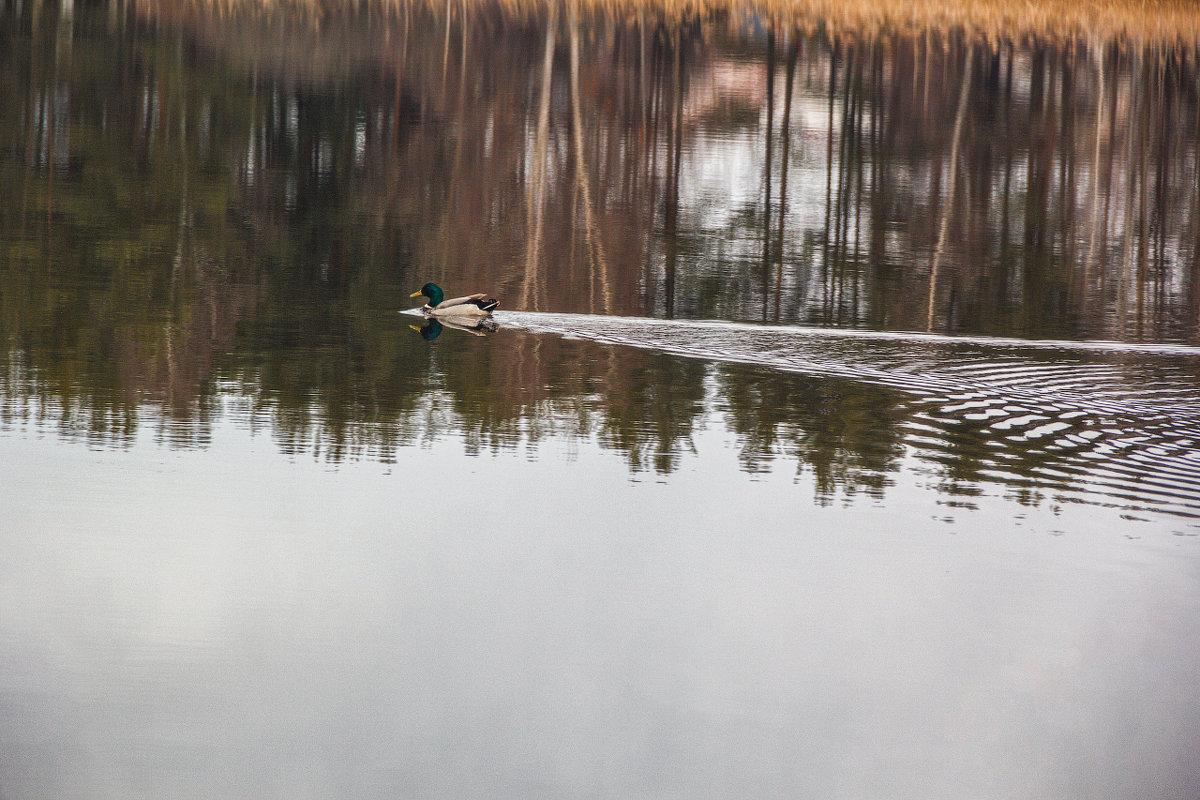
<point x="839" y="437"/>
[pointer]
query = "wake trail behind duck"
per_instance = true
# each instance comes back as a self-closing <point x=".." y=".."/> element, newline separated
<point x="1124" y="417"/>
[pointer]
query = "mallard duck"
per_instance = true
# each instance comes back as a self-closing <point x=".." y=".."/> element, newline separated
<point x="473" y="305"/>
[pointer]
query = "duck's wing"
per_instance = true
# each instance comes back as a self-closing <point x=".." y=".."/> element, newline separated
<point x="458" y="301"/>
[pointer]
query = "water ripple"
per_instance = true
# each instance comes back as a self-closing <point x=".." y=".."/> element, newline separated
<point x="1121" y="420"/>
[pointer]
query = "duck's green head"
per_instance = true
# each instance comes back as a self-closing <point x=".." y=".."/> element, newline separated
<point x="433" y="292"/>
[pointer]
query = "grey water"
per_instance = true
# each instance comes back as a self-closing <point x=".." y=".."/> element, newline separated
<point x="835" y="437"/>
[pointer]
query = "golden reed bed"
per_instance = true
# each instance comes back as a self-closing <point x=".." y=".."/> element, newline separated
<point x="1138" y="22"/>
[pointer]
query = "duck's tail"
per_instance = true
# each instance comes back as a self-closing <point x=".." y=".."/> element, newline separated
<point x="488" y="305"/>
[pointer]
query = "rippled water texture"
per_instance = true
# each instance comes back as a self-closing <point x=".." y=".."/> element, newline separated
<point x="837" y="435"/>
<point x="1119" y="420"/>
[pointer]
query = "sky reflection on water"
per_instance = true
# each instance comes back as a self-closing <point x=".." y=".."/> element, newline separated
<point x="702" y="635"/>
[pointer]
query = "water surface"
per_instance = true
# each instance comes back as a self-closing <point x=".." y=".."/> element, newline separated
<point x="839" y="436"/>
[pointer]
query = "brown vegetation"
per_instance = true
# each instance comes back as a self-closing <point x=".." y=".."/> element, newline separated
<point x="1136" y="22"/>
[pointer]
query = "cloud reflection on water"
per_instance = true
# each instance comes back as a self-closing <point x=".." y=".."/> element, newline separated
<point x="677" y="643"/>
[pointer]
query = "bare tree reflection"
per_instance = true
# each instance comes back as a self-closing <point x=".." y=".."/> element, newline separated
<point x="199" y="200"/>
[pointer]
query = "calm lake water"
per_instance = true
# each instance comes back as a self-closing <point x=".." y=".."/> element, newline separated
<point x="840" y="436"/>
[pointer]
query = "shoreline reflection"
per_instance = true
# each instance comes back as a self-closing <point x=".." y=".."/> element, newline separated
<point x="200" y="212"/>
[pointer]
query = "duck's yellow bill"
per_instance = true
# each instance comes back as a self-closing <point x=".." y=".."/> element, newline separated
<point x="416" y="293"/>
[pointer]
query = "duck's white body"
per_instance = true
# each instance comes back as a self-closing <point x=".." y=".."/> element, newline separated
<point x="459" y="307"/>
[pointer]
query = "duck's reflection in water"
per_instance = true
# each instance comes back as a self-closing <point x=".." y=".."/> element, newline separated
<point x="433" y="327"/>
